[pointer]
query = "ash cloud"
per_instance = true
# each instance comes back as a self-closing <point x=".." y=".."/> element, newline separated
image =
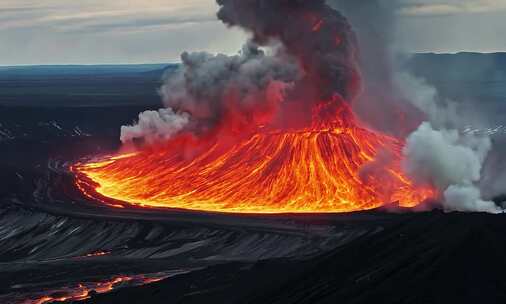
<point x="318" y="36"/>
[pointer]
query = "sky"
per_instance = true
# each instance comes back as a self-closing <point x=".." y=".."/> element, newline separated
<point x="158" y="31"/>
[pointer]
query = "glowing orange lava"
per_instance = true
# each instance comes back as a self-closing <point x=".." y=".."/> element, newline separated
<point x="83" y="291"/>
<point x="96" y="254"/>
<point x="329" y="167"/>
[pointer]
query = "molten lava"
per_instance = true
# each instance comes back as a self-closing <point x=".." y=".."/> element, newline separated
<point x="322" y="168"/>
<point x="84" y="291"/>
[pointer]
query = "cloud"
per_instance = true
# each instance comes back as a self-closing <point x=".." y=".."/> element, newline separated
<point x="112" y="31"/>
<point x="449" y="7"/>
<point x="97" y="17"/>
<point x="128" y="23"/>
<point x="117" y="31"/>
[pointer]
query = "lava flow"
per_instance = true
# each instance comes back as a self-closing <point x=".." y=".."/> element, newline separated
<point x="84" y="291"/>
<point x="320" y="169"/>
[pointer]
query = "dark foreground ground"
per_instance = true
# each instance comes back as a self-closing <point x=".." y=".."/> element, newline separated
<point x="425" y="258"/>
<point x="54" y="243"/>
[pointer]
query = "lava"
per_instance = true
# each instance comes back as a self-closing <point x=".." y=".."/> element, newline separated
<point x="96" y="254"/>
<point x="317" y="169"/>
<point x="83" y="291"/>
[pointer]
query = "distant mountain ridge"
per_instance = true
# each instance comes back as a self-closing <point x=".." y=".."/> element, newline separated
<point x="461" y="76"/>
<point x="81" y="70"/>
<point x="465" y="66"/>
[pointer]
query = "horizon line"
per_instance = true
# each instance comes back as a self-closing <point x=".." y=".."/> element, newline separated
<point x="178" y="62"/>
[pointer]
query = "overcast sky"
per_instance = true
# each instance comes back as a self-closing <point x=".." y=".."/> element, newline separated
<point x="146" y="31"/>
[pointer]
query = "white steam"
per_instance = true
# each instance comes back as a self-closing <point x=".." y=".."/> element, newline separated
<point x="444" y="157"/>
<point x="468" y="198"/>
<point x="438" y="154"/>
<point x="155" y="126"/>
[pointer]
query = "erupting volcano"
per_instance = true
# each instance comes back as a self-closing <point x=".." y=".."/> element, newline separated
<point x="262" y="133"/>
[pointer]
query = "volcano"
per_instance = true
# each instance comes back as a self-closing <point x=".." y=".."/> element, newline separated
<point x="300" y="147"/>
<point x="319" y="169"/>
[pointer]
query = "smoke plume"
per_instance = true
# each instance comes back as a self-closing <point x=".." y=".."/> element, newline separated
<point x="380" y="103"/>
<point x="208" y="91"/>
<point x="242" y="90"/>
<point x="318" y="36"/>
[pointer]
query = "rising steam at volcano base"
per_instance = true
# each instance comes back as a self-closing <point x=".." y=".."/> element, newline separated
<point x="263" y="131"/>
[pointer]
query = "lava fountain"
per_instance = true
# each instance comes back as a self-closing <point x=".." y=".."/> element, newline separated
<point x="299" y="153"/>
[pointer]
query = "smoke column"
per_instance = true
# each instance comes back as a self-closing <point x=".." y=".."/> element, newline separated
<point x="318" y="36"/>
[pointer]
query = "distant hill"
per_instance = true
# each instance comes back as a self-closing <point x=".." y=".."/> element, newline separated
<point x="462" y="76"/>
<point x="82" y="85"/>
<point x="460" y="66"/>
<point x="81" y="70"/>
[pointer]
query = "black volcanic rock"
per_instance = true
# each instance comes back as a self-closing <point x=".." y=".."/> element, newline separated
<point x="425" y="258"/>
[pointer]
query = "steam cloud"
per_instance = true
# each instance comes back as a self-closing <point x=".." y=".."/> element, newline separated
<point x="438" y="153"/>
<point x="155" y="126"/>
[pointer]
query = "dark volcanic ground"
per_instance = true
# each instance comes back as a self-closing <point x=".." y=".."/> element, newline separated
<point x="54" y="242"/>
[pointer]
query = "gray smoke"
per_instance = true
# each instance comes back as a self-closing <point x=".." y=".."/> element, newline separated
<point x="241" y="90"/>
<point x="319" y="37"/>
<point x="209" y="91"/>
<point x="380" y="104"/>
<point x="155" y="126"/>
